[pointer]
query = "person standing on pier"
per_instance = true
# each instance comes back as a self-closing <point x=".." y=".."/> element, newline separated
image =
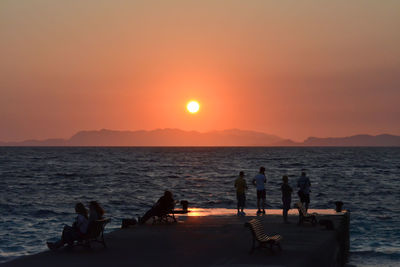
<point x="286" y="197"/>
<point x="259" y="181"/>
<point x="241" y="187"/>
<point x="304" y="192"/>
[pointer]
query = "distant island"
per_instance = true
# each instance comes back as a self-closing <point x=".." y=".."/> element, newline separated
<point x="176" y="137"/>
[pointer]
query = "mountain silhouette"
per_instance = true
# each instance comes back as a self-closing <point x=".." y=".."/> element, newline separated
<point x="176" y="137"/>
<point x="355" y="140"/>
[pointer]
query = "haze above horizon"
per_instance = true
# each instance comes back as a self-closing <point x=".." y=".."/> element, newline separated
<point x="285" y="68"/>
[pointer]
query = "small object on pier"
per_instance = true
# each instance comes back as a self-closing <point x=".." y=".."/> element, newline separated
<point x="339" y="205"/>
<point x="185" y="205"/>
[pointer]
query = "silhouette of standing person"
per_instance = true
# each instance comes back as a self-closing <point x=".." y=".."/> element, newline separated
<point x="303" y="183"/>
<point x="241" y="187"/>
<point x="286" y="197"/>
<point x="259" y="181"/>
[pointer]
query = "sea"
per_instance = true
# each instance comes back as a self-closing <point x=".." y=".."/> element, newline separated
<point x="39" y="187"/>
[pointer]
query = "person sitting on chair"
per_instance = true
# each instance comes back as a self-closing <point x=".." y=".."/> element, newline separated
<point x="96" y="212"/>
<point x="74" y="232"/>
<point x="164" y="205"/>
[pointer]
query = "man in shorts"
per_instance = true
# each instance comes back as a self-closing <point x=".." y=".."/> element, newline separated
<point x="304" y="192"/>
<point x="259" y="181"/>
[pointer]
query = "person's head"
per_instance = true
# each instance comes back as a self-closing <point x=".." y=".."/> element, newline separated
<point x="168" y="194"/>
<point x="95" y="206"/>
<point x="285" y="179"/>
<point x="80" y="209"/>
<point x="262" y="170"/>
<point x="241" y="174"/>
<point x="303" y="173"/>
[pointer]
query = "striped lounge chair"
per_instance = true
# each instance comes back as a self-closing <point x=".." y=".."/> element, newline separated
<point x="263" y="240"/>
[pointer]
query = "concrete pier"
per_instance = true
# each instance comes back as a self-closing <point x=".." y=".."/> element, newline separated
<point x="211" y="237"/>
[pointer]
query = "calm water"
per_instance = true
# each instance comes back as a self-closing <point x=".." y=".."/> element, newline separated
<point x="39" y="187"/>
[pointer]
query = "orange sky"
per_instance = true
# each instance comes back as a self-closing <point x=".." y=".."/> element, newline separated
<point x="290" y="68"/>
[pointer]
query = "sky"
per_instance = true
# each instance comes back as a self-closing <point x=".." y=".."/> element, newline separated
<point x="290" y="68"/>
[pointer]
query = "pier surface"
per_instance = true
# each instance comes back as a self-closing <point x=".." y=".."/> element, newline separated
<point x="210" y="237"/>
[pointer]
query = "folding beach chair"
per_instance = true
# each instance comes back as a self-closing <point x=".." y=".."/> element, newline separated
<point x="95" y="233"/>
<point x="165" y="217"/>
<point x="169" y="215"/>
<point x="304" y="216"/>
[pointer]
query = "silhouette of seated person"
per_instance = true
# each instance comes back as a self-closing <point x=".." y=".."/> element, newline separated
<point x="96" y="212"/>
<point x="75" y="232"/>
<point x="163" y="206"/>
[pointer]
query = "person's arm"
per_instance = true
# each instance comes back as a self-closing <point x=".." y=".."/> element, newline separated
<point x="245" y="185"/>
<point x="254" y="181"/>
<point x="265" y="179"/>
<point x="235" y="183"/>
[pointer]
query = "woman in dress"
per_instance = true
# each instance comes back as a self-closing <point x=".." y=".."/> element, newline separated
<point x="286" y="197"/>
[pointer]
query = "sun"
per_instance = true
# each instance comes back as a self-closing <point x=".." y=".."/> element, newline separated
<point x="193" y="106"/>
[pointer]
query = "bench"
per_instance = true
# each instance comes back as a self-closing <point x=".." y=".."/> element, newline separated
<point x="304" y="216"/>
<point x="264" y="241"/>
<point x="95" y="233"/>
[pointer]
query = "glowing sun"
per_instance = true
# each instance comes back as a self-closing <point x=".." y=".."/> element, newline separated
<point x="193" y="106"/>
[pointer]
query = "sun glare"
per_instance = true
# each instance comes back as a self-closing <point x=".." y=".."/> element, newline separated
<point x="193" y="106"/>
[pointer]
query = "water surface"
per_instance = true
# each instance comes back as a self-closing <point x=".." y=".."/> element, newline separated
<point x="39" y="187"/>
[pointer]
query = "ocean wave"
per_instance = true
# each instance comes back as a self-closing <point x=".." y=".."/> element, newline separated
<point x="46" y="213"/>
<point x="384" y="253"/>
<point x="66" y="174"/>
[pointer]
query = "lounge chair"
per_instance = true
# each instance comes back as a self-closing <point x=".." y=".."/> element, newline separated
<point x="304" y="216"/>
<point x="95" y="233"/>
<point x="170" y="214"/>
<point x="264" y="241"/>
<point x="165" y="217"/>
